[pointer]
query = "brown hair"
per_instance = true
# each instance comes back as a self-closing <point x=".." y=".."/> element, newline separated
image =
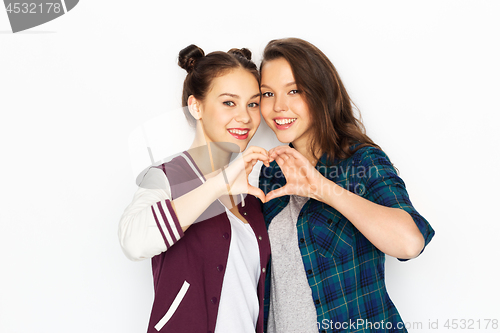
<point x="335" y="126"/>
<point x="202" y="69"/>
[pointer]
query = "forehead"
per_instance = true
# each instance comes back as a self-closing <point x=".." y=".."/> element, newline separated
<point x="277" y="72"/>
<point x="237" y="81"/>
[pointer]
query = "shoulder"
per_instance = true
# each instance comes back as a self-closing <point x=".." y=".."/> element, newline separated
<point x="369" y="153"/>
<point x="161" y="176"/>
<point x="179" y="169"/>
<point x="154" y="179"/>
<point x="371" y="157"/>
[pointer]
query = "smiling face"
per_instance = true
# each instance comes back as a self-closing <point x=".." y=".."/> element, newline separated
<point x="283" y="105"/>
<point x="230" y="110"/>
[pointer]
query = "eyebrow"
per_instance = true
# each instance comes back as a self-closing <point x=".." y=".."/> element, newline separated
<point x="236" y="96"/>
<point x="230" y="95"/>
<point x="286" y="85"/>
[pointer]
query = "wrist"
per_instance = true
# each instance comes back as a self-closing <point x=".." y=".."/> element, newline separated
<point x="328" y="191"/>
<point x="217" y="185"/>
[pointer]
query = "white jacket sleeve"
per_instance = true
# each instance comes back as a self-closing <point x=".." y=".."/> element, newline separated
<point x="149" y="225"/>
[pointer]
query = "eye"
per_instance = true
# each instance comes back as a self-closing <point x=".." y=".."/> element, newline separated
<point x="267" y="94"/>
<point x="294" y="91"/>
<point x="253" y="105"/>
<point x="229" y="103"/>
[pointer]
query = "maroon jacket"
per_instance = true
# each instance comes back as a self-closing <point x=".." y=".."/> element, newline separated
<point x="199" y="258"/>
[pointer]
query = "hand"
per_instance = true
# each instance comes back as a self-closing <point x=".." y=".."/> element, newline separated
<point x="236" y="174"/>
<point x="301" y="176"/>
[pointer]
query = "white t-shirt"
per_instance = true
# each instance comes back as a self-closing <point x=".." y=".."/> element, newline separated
<point x="239" y="304"/>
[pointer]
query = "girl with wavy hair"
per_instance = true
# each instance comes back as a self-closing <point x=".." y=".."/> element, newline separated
<point x="335" y="204"/>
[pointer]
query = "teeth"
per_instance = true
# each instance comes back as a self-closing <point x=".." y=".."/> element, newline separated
<point x="285" y="121"/>
<point x="238" y="132"/>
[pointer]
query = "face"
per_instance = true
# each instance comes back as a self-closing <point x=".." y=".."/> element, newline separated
<point x="283" y="105"/>
<point x="230" y="110"/>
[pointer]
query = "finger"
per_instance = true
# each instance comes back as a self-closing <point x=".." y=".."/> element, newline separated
<point x="294" y="153"/>
<point x="248" y="157"/>
<point x="276" y="193"/>
<point x="280" y="161"/>
<point x="255" y="149"/>
<point x="277" y="149"/>
<point x="286" y="160"/>
<point x="257" y="192"/>
<point x="256" y="156"/>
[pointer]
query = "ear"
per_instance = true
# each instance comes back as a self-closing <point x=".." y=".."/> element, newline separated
<point x="194" y="107"/>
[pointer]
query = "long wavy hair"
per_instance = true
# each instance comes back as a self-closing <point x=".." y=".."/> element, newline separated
<point x="336" y="128"/>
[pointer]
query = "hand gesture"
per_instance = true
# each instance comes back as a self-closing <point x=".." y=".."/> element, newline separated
<point x="236" y="174"/>
<point x="301" y="176"/>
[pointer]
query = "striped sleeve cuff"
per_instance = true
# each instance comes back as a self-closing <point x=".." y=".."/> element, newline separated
<point x="167" y="222"/>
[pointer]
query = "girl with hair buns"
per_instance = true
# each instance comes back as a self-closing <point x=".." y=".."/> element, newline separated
<point x="335" y="205"/>
<point x="207" y="241"/>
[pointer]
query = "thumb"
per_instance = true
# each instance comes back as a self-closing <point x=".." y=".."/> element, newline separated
<point x="257" y="192"/>
<point x="277" y="193"/>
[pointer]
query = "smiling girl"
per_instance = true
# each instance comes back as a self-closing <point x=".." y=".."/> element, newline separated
<point x="207" y="242"/>
<point x="335" y="204"/>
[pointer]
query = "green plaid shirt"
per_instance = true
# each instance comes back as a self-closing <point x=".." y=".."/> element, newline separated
<point x="344" y="270"/>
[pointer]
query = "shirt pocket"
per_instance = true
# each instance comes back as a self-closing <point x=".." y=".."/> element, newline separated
<point x="334" y="238"/>
<point x="173" y="307"/>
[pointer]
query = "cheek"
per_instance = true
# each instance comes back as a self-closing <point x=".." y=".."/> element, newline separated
<point x="266" y="108"/>
<point x="256" y="119"/>
<point x="302" y="110"/>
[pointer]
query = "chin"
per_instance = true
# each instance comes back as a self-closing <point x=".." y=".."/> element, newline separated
<point x="243" y="146"/>
<point x="284" y="139"/>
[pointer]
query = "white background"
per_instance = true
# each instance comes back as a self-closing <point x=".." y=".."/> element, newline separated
<point x="424" y="74"/>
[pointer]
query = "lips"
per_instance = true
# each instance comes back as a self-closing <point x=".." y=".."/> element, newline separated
<point x="239" y="133"/>
<point x="284" y="123"/>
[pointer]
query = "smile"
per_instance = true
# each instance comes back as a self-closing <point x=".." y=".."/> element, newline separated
<point x="239" y="133"/>
<point x="284" y="121"/>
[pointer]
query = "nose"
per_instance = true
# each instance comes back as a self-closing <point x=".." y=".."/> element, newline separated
<point x="242" y="116"/>
<point x="280" y="103"/>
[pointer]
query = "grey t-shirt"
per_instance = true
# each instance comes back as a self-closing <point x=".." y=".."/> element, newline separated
<point x="292" y="309"/>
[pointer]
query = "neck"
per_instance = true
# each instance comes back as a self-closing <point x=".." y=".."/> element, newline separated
<point x="210" y="157"/>
<point x="305" y="149"/>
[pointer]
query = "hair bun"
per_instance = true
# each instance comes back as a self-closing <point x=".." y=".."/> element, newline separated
<point x="244" y="53"/>
<point x="188" y="57"/>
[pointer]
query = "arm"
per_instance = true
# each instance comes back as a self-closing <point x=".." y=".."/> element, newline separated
<point x="392" y="230"/>
<point x="153" y="222"/>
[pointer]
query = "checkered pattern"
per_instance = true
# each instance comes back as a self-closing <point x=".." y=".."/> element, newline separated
<point x="344" y="270"/>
